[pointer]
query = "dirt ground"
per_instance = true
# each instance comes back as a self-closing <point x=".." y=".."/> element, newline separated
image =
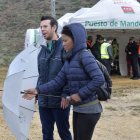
<point x="120" y="119"/>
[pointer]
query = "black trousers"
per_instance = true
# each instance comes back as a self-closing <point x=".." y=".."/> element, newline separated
<point x="134" y="63"/>
<point x="84" y="124"/>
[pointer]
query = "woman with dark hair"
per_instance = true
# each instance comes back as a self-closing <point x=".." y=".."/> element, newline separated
<point x="83" y="76"/>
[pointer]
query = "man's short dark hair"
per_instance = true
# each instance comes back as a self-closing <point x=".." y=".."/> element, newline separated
<point x="53" y="21"/>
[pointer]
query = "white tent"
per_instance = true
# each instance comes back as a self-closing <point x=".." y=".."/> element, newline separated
<point x="111" y="14"/>
<point x="116" y="18"/>
<point x="65" y="19"/>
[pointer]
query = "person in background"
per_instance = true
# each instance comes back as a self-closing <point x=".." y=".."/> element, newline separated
<point x="96" y="47"/>
<point x="128" y="60"/>
<point x="106" y="53"/>
<point x="83" y="80"/>
<point x="89" y="42"/>
<point x="115" y="52"/>
<point x="52" y="107"/>
<point x="115" y="49"/>
<point x="133" y="52"/>
<point x="139" y="53"/>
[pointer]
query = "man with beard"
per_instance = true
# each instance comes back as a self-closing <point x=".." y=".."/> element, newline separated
<point x="53" y="108"/>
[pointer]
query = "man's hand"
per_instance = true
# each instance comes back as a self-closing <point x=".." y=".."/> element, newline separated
<point x="64" y="103"/>
<point x="75" y="98"/>
<point x="30" y="94"/>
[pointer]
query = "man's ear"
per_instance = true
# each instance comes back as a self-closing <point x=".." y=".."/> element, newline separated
<point x="54" y="28"/>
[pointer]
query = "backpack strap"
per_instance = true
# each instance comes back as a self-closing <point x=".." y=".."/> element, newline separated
<point x="80" y="58"/>
<point x="102" y="68"/>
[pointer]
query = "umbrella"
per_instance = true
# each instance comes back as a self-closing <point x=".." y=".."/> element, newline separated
<point x="22" y="75"/>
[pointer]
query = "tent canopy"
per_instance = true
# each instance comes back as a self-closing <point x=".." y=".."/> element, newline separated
<point x="111" y="14"/>
<point x="65" y="19"/>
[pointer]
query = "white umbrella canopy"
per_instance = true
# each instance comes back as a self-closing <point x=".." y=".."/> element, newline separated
<point x="11" y="102"/>
<point x="27" y="59"/>
<point x="22" y="75"/>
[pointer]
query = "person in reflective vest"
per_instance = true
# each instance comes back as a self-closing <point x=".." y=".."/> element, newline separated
<point x="106" y="53"/>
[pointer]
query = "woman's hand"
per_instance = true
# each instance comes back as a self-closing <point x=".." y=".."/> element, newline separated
<point x="75" y="98"/>
<point x="29" y="94"/>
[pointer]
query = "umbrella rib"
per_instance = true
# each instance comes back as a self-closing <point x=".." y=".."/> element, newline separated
<point x="28" y="108"/>
<point x="31" y="77"/>
<point x="49" y="95"/>
<point x="22" y="92"/>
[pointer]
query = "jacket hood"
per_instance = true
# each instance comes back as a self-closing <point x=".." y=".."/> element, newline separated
<point x="80" y="36"/>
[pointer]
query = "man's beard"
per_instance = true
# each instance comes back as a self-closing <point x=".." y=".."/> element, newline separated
<point x="50" y="37"/>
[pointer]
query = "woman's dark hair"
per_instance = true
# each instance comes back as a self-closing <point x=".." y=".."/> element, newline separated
<point x="67" y="32"/>
<point x="53" y="21"/>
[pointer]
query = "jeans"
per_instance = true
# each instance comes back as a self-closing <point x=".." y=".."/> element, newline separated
<point x="49" y="116"/>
